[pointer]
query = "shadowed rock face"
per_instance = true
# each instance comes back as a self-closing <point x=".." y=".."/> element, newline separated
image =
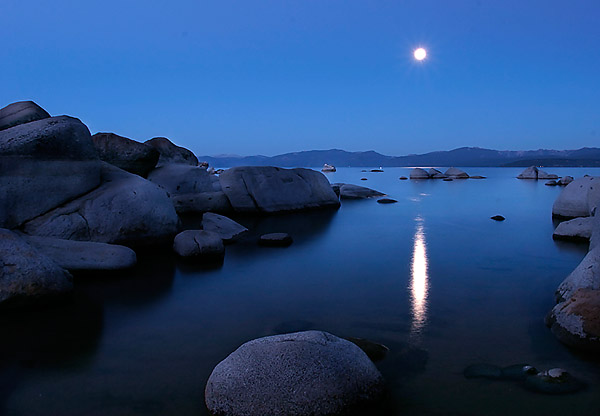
<point x="303" y="373"/>
<point x="26" y="275"/>
<point x="125" y="209"/>
<point x="124" y="153"/>
<point x="227" y="229"/>
<point x="171" y="153"/>
<point x="43" y="164"/>
<point x="269" y="189"/>
<point x="21" y="112"/>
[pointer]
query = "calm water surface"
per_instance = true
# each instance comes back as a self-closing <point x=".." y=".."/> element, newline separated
<point x="432" y="277"/>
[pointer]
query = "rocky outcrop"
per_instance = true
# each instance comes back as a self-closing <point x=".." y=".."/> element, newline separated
<point x="304" y="373"/>
<point x="43" y="164"/>
<point x="171" y="153"/>
<point x="199" y="245"/>
<point x="528" y="173"/>
<point x="576" y="322"/>
<point x="349" y="191"/>
<point x="270" y="189"/>
<point x="83" y="255"/>
<point x="455" y="173"/>
<point x="26" y="275"/>
<point x="418" y="173"/>
<point x="575" y="229"/>
<point x="124" y="153"/>
<point x="578" y="199"/>
<point x="545" y="175"/>
<point x="228" y="229"/>
<point x="126" y="209"/>
<point x="21" y="112"/>
<point x="585" y="275"/>
<point x="328" y="168"/>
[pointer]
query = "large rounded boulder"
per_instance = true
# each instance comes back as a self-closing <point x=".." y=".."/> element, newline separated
<point x="21" y="112"/>
<point x="578" y="199"/>
<point x="171" y="153"/>
<point x="349" y="191"/>
<point x="455" y="173"/>
<point x="43" y="164"/>
<point x="124" y="153"/>
<point x="418" y="173"/>
<point x="304" y="373"/>
<point x="529" y="173"/>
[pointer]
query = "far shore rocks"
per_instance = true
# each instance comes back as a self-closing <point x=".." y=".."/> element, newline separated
<point x="126" y="209"/>
<point x="431" y="173"/>
<point x="228" y="229"/>
<point x="349" y="191"/>
<point x="124" y="153"/>
<point x="304" y="373"/>
<point x="268" y="189"/>
<point x="275" y="240"/>
<point x="171" y="153"/>
<point x="578" y="199"/>
<point x="328" y="168"/>
<point x="21" y="112"/>
<point x="43" y="164"/>
<point x="575" y="229"/>
<point x="418" y="173"/>
<point x="199" y="245"/>
<point x="533" y="172"/>
<point x="26" y="275"/>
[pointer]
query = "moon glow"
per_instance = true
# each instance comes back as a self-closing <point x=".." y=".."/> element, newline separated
<point x="420" y="54"/>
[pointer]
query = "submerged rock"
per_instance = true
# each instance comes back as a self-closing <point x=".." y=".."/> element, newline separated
<point x="554" y="381"/>
<point x="276" y="240"/>
<point x="305" y="373"/>
<point x="575" y="229"/>
<point x="269" y="189"/>
<point x="21" y="112"/>
<point x="26" y="275"/>
<point x="518" y="372"/>
<point x="199" y="245"/>
<point x="124" y="153"/>
<point x="498" y="218"/>
<point x="228" y="229"/>
<point x="386" y="201"/>
<point x="328" y="168"/>
<point x="348" y="191"/>
<point x="578" y="199"/>
<point x="363" y="179"/>
<point x="171" y="153"/>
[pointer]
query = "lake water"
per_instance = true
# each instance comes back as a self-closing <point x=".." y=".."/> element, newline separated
<point x="431" y="277"/>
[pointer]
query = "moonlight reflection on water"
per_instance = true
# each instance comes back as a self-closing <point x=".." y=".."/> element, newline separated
<point x="419" y="282"/>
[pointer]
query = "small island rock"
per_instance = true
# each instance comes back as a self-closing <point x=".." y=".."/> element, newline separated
<point x="349" y="191"/>
<point x="386" y="201"/>
<point x="199" y="245"/>
<point x="418" y="173"/>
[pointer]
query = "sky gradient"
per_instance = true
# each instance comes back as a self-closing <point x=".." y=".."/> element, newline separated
<point x="269" y="77"/>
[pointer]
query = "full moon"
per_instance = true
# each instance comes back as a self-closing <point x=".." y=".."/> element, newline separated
<point x="420" y="54"/>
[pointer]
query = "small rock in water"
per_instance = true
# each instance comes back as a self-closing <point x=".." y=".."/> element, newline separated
<point x="489" y="371"/>
<point x="363" y="179"/>
<point x="376" y="170"/>
<point x="275" y="240"/>
<point x="374" y="350"/>
<point x="498" y="218"/>
<point x="554" y="381"/>
<point x="387" y="201"/>
<point x="551" y="183"/>
<point x="518" y="372"/>
<point x="478" y="177"/>
<point x="364" y="170"/>
<point x="447" y="179"/>
<point x="403" y="178"/>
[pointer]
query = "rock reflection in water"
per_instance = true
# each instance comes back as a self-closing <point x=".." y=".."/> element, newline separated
<point x="419" y="285"/>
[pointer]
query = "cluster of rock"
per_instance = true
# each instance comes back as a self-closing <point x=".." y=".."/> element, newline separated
<point x="70" y="201"/>
<point x="432" y="173"/>
<point x="533" y="172"/>
<point x="575" y="320"/>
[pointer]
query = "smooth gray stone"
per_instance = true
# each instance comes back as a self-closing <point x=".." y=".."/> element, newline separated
<point x="455" y="173"/>
<point x="179" y="179"/>
<point x="26" y="275"/>
<point x="276" y="240"/>
<point x="489" y="371"/>
<point x="300" y="374"/>
<point x="576" y="321"/>
<point x="270" y="189"/>
<point x="585" y="275"/>
<point x="124" y="153"/>
<point x="202" y="202"/>
<point x="578" y="198"/>
<point x="126" y="209"/>
<point x="418" y="173"/>
<point x="83" y="255"/>
<point x="199" y="245"/>
<point x="21" y="112"/>
<point x="529" y="173"/>
<point x="171" y="153"/>
<point x="545" y="175"/>
<point x="349" y="191"/>
<point x="575" y="229"/>
<point x="228" y="229"/>
<point x="43" y="164"/>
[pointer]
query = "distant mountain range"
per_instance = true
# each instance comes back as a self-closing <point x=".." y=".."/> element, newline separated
<point x="464" y="156"/>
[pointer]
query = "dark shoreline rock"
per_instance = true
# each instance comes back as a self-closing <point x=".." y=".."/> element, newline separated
<point x="21" y="112"/>
<point x="129" y="155"/>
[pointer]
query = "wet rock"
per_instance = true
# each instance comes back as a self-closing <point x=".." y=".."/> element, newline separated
<point x="418" y="173"/>
<point x="575" y="229"/>
<point x="482" y="370"/>
<point x="456" y="173"/>
<point x="305" y="373"/>
<point x="554" y="381"/>
<point x="21" y="112"/>
<point x="124" y="153"/>
<point x="578" y="199"/>
<point x="199" y="245"/>
<point x="576" y="321"/>
<point x="27" y="276"/>
<point x="529" y="173"/>
<point x="375" y="351"/>
<point x="551" y="183"/>
<point x="228" y="229"/>
<point x="171" y="153"/>
<point x="498" y="218"/>
<point x="348" y="191"/>
<point x="585" y="275"/>
<point x="43" y="164"/>
<point x="275" y="240"/>
<point x="83" y="255"/>
<point x="386" y="201"/>
<point x="269" y="189"/>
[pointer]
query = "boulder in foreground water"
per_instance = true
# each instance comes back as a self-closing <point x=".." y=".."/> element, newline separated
<point x="575" y="229"/>
<point x="199" y="245"/>
<point x="304" y="373"/>
<point x="349" y="191"/>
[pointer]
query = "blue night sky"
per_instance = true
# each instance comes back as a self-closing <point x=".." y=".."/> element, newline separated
<point x="268" y="77"/>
